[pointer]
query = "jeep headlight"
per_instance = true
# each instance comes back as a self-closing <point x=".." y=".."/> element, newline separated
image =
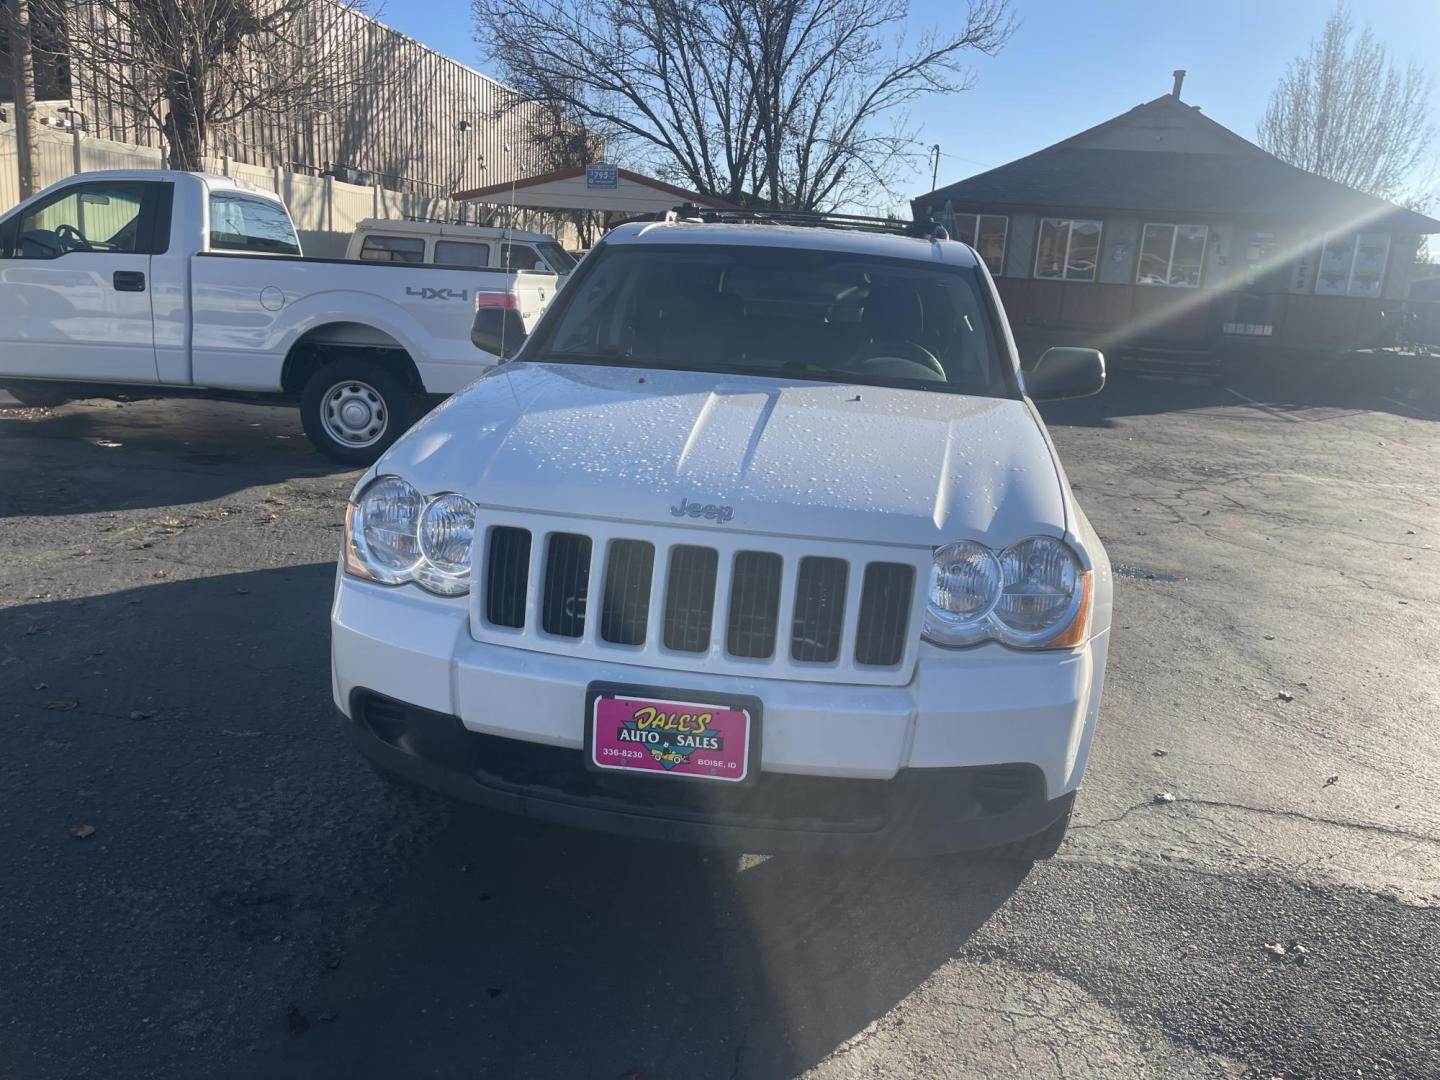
<point x="964" y="588"/>
<point x="394" y="535"/>
<point x="1044" y="596"/>
<point x="1035" y="595"/>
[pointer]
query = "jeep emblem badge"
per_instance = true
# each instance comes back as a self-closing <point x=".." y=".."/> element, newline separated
<point x="708" y="511"/>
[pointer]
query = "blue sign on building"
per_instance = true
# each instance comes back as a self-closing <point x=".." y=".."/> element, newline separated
<point x="602" y="176"/>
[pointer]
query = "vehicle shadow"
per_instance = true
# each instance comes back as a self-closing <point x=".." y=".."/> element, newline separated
<point x="96" y="455"/>
<point x="523" y="950"/>
<point x="253" y="901"/>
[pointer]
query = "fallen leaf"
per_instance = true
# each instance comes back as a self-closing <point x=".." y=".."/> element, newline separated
<point x="80" y="832"/>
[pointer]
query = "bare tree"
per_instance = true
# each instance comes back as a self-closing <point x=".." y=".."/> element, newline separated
<point x="1348" y="112"/>
<point x="15" y="21"/>
<point x="194" y="67"/>
<point x="785" y="103"/>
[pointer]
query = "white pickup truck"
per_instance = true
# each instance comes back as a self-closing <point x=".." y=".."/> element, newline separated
<point x="150" y="283"/>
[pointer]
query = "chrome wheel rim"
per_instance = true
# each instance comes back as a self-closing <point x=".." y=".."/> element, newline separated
<point x="354" y="414"/>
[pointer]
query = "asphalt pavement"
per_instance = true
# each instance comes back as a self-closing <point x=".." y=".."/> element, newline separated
<point x="201" y="878"/>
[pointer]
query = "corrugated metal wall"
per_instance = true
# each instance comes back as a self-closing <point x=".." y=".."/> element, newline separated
<point x="402" y="124"/>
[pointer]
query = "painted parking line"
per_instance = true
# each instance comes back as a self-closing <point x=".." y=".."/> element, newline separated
<point x="1261" y="405"/>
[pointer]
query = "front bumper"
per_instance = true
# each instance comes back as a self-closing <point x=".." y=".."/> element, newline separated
<point x="918" y="812"/>
<point x="981" y="747"/>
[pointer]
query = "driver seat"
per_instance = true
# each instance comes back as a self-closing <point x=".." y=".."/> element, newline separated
<point x="893" y="312"/>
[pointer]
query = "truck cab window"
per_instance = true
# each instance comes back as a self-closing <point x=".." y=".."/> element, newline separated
<point x="394" y="249"/>
<point x="102" y="218"/>
<point x="462" y="253"/>
<point x="238" y="223"/>
<point x="518" y="257"/>
<point x="559" y="259"/>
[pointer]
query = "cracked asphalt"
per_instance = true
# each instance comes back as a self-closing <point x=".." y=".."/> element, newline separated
<point x="201" y="878"/>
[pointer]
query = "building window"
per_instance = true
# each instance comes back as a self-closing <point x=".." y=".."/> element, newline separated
<point x="1068" y="250"/>
<point x="1353" y="265"/>
<point x="986" y="233"/>
<point x="400" y="249"/>
<point x="1172" y="255"/>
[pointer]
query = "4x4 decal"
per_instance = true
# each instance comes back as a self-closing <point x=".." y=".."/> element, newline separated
<point x="425" y="292"/>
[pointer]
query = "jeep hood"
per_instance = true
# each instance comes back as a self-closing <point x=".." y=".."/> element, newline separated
<point x="789" y="457"/>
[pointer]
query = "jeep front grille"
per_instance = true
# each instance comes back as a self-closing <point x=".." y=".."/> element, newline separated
<point x="690" y="598"/>
<point x="627" y="592"/>
<point x="754" y="604"/>
<point x="780" y="608"/>
<point x="507" y="570"/>
<point x="884" y="612"/>
<point x="567" y="584"/>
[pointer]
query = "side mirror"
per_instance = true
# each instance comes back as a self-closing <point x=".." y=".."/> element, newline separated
<point x="498" y="330"/>
<point x="1066" y="373"/>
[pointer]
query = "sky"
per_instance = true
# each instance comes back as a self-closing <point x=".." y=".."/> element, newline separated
<point x="1073" y="63"/>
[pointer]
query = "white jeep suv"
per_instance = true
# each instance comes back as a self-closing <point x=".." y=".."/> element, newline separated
<point x="756" y="540"/>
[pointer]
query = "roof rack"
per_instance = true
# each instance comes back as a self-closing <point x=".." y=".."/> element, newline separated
<point x="928" y="230"/>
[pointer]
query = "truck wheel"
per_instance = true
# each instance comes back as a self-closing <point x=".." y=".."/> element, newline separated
<point x="353" y="409"/>
<point x="1042" y="845"/>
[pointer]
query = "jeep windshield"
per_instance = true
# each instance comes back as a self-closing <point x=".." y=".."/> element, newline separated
<point x="781" y="313"/>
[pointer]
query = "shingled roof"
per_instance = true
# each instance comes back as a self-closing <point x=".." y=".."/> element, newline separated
<point x="1241" y="182"/>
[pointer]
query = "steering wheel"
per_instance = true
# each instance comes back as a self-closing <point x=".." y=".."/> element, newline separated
<point x="881" y="351"/>
<point x="71" y="238"/>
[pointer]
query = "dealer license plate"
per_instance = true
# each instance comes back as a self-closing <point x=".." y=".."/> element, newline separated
<point x="670" y="733"/>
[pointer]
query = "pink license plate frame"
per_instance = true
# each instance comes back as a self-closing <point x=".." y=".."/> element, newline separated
<point x="671" y="734"/>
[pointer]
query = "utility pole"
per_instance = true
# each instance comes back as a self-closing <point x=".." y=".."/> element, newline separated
<point x="934" y="166"/>
<point x="22" y="75"/>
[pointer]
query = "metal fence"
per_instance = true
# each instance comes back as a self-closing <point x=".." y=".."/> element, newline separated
<point x="325" y="210"/>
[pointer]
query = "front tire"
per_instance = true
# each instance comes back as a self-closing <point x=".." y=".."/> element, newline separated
<point x="353" y="409"/>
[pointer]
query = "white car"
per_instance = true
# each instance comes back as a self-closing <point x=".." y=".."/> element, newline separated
<point x="150" y="284"/>
<point x="758" y="541"/>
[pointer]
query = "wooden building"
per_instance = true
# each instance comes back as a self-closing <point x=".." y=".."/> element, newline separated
<point x="1162" y="231"/>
